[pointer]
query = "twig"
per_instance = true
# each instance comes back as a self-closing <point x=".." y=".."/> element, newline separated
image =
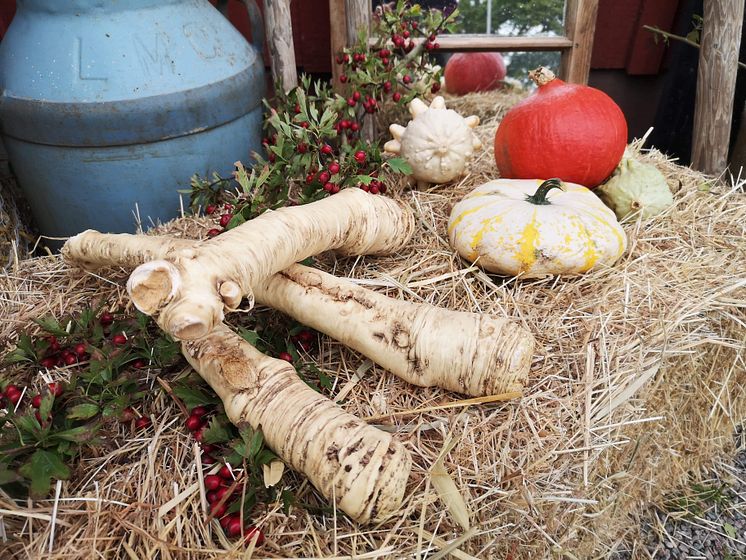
<point x="679" y="38"/>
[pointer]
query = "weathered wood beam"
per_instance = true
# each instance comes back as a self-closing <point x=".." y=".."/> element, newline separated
<point x="279" y="30"/>
<point x="357" y="13"/>
<point x="465" y="43"/>
<point x="580" y="26"/>
<point x="716" y="84"/>
<point x="338" y="30"/>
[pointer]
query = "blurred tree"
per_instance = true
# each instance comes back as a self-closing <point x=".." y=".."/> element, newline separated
<point x="517" y="17"/>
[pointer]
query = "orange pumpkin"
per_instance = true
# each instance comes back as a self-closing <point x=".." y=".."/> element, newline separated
<point x="476" y="71"/>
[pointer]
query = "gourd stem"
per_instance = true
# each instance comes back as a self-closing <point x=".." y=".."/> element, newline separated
<point x="540" y="196"/>
<point x="541" y="76"/>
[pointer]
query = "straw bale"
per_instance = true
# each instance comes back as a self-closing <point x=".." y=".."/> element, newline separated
<point x="637" y="386"/>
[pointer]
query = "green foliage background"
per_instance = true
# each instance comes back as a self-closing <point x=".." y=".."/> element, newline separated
<point x="517" y="17"/>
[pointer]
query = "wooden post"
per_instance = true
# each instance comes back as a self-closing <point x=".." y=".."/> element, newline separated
<point x="279" y="30"/>
<point x="580" y="25"/>
<point x="716" y="84"/>
<point x="338" y="30"/>
<point x="358" y="17"/>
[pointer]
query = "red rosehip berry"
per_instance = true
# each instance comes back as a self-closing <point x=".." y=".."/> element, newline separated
<point x="334" y="168"/>
<point x="225" y="219"/>
<point x="328" y="187"/>
<point x="297" y="108"/>
<point x="343" y="79"/>
<point x="210" y="208"/>
<point x="251" y="533"/>
<point x="80" y="349"/>
<point x="213" y="482"/>
<point x="56" y="389"/>
<point x="302" y="148"/>
<point x="374" y="189"/>
<point x="198" y="435"/>
<point x="70" y="359"/>
<point x="360" y="157"/>
<point x="346" y="58"/>
<point x="428" y="46"/>
<point x="199" y="411"/>
<point x="304" y="124"/>
<point x="396" y="97"/>
<point x="119" y="339"/>
<point x="432" y="37"/>
<point x="356" y="96"/>
<point x="208" y="459"/>
<point x="405" y="34"/>
<point x="36" y="401"/>
<point x="365" y="187"/>
<point x="142" y="423"/>
<point x="285" y="356"/>
<point x="335" y="189"/>
<point x="415" y="25"/>
<point x="106" y="319"/>
<point x="387" y="86"/>
<point x="407" y="79"/>
<point x="436" y="45"/>
<point x="354" y="127"/>
<point x="344" y="123"/>
<point x="409" y="46"/>
<point x="385" y="61"/>
<point x="193" y="423"/>
<point x="213" y="232"/>
<point x="382" y="188"/>
<point x="351" y="102"/>
<point x="326" y="149"/>
<point x="324" y="177"/>
<point x="212" y="497"/>
<point x="309" y="178"/>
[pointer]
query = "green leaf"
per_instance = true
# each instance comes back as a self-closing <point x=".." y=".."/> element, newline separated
<point x="51" y="325"/>
<point x="83" y="411"/>
<point x="80" y="434"/>
<point x="400" y="165"/>
<point x="216" y="431"/>
<point x="257" y="441"/>
<point x="7" y="476"/>
<point x="249" y="336"/>
<point x="265" y="457"/>
<point x="41" y="468"/>
<point x="730" y="530"/>
<point x="194" y="395"/>
<point x="16" y="356"/>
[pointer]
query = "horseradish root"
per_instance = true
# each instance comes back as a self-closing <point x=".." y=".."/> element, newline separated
<point x="363" y="469"/>
<point x="469" y="353"/>
<point x="188" y="290"/>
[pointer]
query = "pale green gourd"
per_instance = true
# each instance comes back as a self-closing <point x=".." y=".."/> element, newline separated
<point x="636" y="189"/>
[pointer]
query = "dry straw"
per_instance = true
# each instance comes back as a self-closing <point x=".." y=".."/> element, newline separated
<point x="637" y="386"/>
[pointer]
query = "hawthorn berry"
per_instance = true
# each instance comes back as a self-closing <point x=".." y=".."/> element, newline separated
<point x="252" y="533"/>
<point x="127" y="415"/>
<point x="199" y="411"/>
<point x="339" y="59"/>
<point x="80" y="349"/>
<point x="70" y="359"/>
<point x="343" y="79"/>
<point x="374" y="189"/>
<point x="387" y="86"/>
<point x="271" y="158"/>
<point x="142" y="423"/>
<point x="213" y="232"/>
<point x="119" y="339"/>
<point x="234" y="527"/>
<point x="210" y="208"/>
<point x="221" y="492"/>
<point x="326" y="149"/>
<point x="354" y="127"/>
<point x="217" y="509"/>
<point x="212" y="497"/>
<point x="385" y="61"/>
<point x="213" y="482"/>
<point x="324" y="177"/>
<point x="344" y="123"/>
<point x="36" y="401"/>
<point x="106" y="319"/>
<point x="297" y="108"/>
<point x="48" y="362"/>
<point x="198" y="434"/>
<point x="405" y="34"/>
<point x="407" y="79"/>
<point x="226" y="520"/>
<point x="356" y="96"/>
<point x="139" y="363"/>
<point x="351" y="102"/>
<point x="284" y="355"/>
<point x="435" y="88"/>
<point x="193" y="423"/>
<point x="56" y="389"/>
<point x="208" y="459"/>
<point x="334" y="168"/>
<point x="225" y="219"/>
<point x="226" y="472"/>
<point x="396" y="97"/>
<point x="335" y="189"/>
<point x="306" y="335"/>
<point x="360" y="157"/>
<point x="302" y="148"/>
<point x="346" y="58"/>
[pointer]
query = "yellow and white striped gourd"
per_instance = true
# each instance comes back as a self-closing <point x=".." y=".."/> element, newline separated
<point x="523" y="227"/>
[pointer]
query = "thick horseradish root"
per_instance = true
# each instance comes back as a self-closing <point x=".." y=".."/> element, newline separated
<point x="188" y="290"/>
<point x="425" y="345"/>
<point x="187" y="285"/>
<point x="363" y="469"/>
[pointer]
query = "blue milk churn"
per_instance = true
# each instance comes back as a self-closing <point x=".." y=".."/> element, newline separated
<point x="109" y="105"/>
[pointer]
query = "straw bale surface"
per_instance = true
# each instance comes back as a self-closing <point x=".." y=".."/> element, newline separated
<point x="637" y="385"/>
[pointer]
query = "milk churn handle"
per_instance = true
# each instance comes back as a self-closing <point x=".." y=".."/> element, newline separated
<point x="257" y="24"/>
